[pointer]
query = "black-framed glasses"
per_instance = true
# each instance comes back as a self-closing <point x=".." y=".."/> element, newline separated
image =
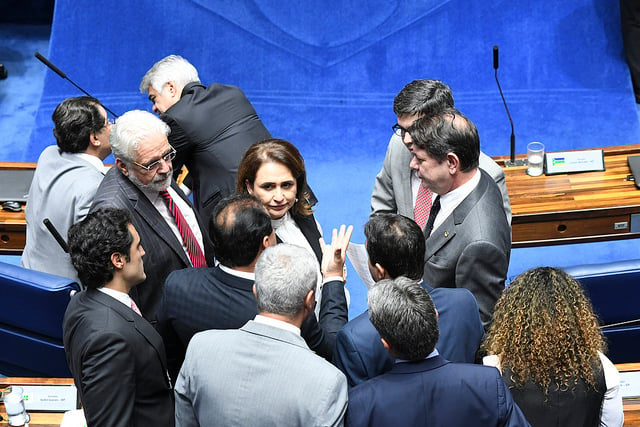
<point x="399" y="130"/>
<point x="153" y="166"/>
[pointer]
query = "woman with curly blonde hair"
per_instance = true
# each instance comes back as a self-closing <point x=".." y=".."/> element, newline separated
<point x="546" y="341"/>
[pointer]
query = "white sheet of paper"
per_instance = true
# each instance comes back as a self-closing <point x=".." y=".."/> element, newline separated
<point x="357" y="254"/>
<point x="630" y="384"/>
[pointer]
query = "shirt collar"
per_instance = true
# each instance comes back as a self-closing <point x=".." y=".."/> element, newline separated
<point x="452" y="199"/>
<point x="95" y="162"/>
<point x="120" y="296"/>
<point x="277" y="323"/>
<point x="236" y="273"/>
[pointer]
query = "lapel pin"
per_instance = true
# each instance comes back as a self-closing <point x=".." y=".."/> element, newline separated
<point x="446" y="234"/>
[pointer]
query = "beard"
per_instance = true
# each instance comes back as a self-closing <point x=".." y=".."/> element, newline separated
<point x="160" y="182"/>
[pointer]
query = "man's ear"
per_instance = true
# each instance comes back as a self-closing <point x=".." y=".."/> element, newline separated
<point x="380" y="273"/>
<point x="255" y="294"/>
<point x="93" y="139"/>
<point x="173" y="89"/>
<point x="122" y="166"/>
<point x="265" y="242"/>
<point x="385" y="344"/>
<point x="310" y="301"/>
<point x="454" y="162"/>
<point x="118" y="260"/>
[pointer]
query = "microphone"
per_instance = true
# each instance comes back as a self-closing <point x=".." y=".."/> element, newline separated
<point x="59" y="72"/>
<point x="512" y="158"/>
<point x="56" y="234"/>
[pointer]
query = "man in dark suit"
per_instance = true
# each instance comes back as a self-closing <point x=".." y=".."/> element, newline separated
<point x="222" y="297"/>
<point x="395" y="245"/>
<point x="211" y="127"/>
<point x="116" y="357"/>
<point x="423" y="388"/>
<point x="141" y="183"/>
<point x="468" y="237"/>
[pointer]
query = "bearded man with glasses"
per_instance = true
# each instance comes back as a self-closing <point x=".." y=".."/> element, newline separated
<point x="141" y="182"/>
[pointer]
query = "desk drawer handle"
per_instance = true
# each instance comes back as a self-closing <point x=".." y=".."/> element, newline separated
<point x="562" y="228"/>
<point x="5" y="238"/>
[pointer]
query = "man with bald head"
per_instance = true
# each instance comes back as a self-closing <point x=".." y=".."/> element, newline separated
<point x="141" y="182"/>
<point x="468" y="237"/>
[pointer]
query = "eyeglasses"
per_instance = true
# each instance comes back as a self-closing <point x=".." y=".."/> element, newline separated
<point x="111" y="121"/>
<point x="153" y="166"/>
<point x="399" y="130"/>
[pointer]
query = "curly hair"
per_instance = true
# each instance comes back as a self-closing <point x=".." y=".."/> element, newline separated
<point x="94" y="239"/>
<point x="544" y="331"/>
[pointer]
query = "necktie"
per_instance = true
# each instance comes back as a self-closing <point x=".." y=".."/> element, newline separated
<point x="193" y="248"/>
<point x="432" y="216"/>
<point x="423" y="206"/>
<point x="135" y="308"/>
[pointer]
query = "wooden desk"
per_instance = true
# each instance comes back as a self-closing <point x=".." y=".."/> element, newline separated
<point x="38" y="419"/>
<point x="13" y="226"/>
<point x="573" y="208"/>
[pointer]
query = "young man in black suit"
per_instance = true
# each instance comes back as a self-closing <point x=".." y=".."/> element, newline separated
<point x="116" y="357"/>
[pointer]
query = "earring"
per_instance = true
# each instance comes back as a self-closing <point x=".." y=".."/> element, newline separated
<point x="296" y="200"/>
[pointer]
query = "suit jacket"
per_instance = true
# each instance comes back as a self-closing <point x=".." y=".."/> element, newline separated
<point x="392" y="188"/>
<point x="118" y="363"/>
<point x="471" y="248"/>
<point x="62" y="190"/>
<point x="434" y="392"/>
<point x="163" y="252"/>
<point x="211" y="129"/>
<point x="360" y="355"/>
<point x="197" y="299"/>
<point x="269" y="378"/>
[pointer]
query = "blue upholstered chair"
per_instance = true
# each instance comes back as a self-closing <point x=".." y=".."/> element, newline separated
<point x="614" y="290"/>
<point x="32" y="305"/>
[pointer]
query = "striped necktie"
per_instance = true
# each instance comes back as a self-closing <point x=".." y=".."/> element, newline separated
<point x="423" y="206"/>
<point x="190" y="242"/>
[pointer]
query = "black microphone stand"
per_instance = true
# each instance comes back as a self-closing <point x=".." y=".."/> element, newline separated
<point x="512" y="152"/>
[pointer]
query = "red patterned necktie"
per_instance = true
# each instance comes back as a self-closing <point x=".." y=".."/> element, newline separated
<point x="193" y="248"/>
<point x="423" y="206"/>
<point x="135" y="308"/>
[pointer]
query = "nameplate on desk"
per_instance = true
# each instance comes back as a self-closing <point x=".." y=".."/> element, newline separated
<point x="574" y="161"/>
<point x="50" y="398"/>
<point x="630" y="384"/>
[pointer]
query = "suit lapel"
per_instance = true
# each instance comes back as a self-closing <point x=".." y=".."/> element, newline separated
<point x="447" y="230"/>
<point x="152" y="217"/>
<point x="138" y="322"/>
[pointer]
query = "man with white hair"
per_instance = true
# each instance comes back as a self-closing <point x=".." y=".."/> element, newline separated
<point x="211" y="127"/>
<point x="141" y="182"/>
<point x="264" y="373"/>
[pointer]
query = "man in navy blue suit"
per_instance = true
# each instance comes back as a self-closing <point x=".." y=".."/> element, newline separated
<point x="423" y="388"/>
<point x="395" y="245"/>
